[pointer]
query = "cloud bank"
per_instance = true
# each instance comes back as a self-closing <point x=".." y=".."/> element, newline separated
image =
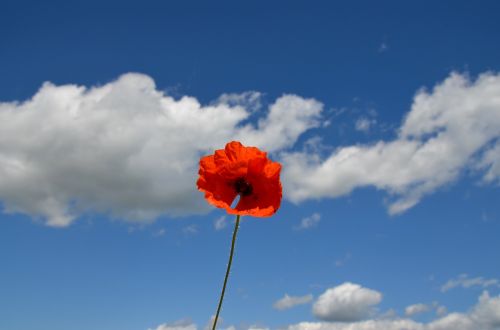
<point x="127" y="150"/>
<point x="485" y="315"/>
<point x="334" y="308"/>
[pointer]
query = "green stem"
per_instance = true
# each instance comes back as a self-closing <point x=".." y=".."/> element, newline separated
<point x="236" y="225"/>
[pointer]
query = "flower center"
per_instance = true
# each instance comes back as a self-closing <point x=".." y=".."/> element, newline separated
<point x="243" y="187"/>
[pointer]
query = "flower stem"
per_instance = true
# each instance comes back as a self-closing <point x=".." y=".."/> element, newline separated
<point x="235" y="232"/>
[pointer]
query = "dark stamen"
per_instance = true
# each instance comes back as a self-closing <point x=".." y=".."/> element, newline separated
<point x="243" y="187"/>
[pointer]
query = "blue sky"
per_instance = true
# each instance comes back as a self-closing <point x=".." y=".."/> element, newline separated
<point x="386" y="119"/>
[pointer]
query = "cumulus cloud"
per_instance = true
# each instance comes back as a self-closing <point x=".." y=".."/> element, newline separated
<point x="464" y="281"/>
<point x="309" y="222"/>
<point x="288" y="302"/>
<point x="125" y="148"/>
<point x="346" y="302"/>
<point x="485" y="315"/>
<point x="487" y="312"/>
<point x="454" y="127"/>
<point x="288" y="118"/>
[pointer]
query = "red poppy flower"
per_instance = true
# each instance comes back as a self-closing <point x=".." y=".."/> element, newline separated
<point x="244" y="171"/>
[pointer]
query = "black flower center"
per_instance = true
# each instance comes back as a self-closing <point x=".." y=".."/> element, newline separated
<point x="243" y="187"/>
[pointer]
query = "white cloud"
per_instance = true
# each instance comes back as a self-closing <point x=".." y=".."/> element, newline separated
<point x="288" y="302"/>
<point x="441" y="310"/>
<point x="487" y="312"/>
<point x="288" y="118"/>
<point x="464" y="281"/>
<point x="424" y="308"/>
<point x="128" y="150"/>
<point x="485" y="315"/>
<point x="159" y="232"/>
<point x="190" y="230"/>
<point x="309" y="222"/>
<point x="220" y="223"/>
<point x="250" y="100"/>
<point x="490" y="162"/>
<point x="125" y="148"/>
<point x="363" y="325"/>
<point x="342" y="261"/>
<point x="178" y="325"/>
<point x="364" y="124"/>
<point x="416" y="309"/>
<point x="346" y="302"/>
<point x="446" y="132"/>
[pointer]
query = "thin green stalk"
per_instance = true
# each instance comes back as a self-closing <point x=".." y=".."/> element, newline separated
<point x="236" y="226"/>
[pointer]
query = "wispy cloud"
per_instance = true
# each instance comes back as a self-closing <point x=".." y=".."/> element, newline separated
<point x="342" y="261"/>
<point x="464" y="281"/>
<point x="220" y="223"/>
<point x="309" y="222"/>
<point x="441" y="310"/>
<point x="250" y="100"/>
<point x="416" y="309"/>
<point x="190" y="230"/>
<point x="364" y="124"/>
<point x="288" y="302"/>
<point x="159" y="232"/>
<point x="383" y="47"/>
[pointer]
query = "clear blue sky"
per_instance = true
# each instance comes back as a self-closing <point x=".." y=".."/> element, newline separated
<point x="361" y="62"/>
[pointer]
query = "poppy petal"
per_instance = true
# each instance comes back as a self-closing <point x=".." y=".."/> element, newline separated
<point x="222" y="174"/>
